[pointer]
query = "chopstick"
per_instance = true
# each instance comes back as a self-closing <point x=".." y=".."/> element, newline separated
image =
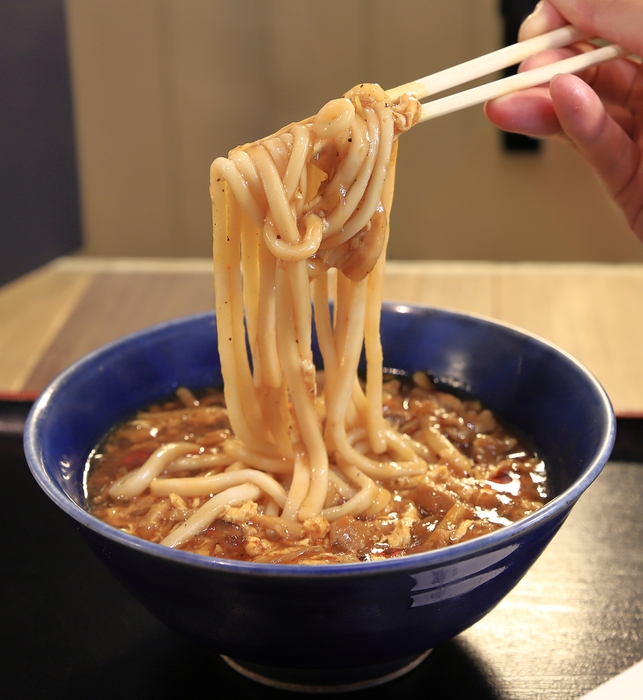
<point x="502" y="58"/>
<point x="538" y="76"/>
<point x="489" y="63"/>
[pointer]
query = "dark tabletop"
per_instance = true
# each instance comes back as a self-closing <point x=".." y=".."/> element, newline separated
<point x="70" y="629"/>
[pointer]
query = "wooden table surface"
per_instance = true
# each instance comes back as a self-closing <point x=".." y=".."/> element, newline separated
<point x="56" y="314"/>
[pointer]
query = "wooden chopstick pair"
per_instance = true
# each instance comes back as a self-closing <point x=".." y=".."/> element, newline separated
<point x="507" y="56"/>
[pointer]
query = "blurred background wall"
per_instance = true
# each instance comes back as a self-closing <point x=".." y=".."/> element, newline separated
<point x="162" y="87"/>
<point x="39" y="206"/>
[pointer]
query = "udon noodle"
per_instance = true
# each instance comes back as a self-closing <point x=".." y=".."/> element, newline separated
<point x="300" y="218"/>
<point x="286" y="210"/>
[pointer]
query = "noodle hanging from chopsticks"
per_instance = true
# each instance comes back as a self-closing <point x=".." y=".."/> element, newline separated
<point x="286" y="210"/>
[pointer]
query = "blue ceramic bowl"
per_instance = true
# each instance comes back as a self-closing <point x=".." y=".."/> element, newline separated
<point x="356" y="621"/>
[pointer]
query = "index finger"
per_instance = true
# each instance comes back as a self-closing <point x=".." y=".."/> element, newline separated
<point x="619" y="21"/>
<point x="614" y="81"/>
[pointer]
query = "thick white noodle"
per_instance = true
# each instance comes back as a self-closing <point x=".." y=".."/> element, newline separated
<point x="206" y="485"/>
<point x="209" y="512"/>
<point x="285" y="209"/>
<point x="135" y="482"/>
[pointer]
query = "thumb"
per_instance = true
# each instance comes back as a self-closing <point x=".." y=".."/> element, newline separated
<point x="600" y="139"/>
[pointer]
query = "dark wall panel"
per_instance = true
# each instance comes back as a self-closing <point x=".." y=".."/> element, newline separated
<point x="39" y="202"/>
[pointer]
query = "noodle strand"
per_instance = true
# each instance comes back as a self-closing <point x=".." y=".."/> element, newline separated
<point x="286" y="209"/>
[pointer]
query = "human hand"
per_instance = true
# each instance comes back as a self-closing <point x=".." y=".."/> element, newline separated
<point x="600" y="113"/>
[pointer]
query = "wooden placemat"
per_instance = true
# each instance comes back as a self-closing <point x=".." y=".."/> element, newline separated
<point x="53" y="316"/>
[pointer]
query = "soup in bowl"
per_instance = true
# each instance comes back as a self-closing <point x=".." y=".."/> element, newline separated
<point x="341" y="625"/>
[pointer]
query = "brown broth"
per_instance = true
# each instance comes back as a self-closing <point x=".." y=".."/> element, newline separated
<point x="494" y="479"/>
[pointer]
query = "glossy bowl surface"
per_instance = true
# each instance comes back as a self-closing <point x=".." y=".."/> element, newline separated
<point x="379" y="614"/>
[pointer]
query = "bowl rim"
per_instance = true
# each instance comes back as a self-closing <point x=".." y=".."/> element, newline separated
<point x="505" y="537"/>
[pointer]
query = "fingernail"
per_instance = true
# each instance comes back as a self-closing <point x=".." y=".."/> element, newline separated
<point x="534" y="24"/>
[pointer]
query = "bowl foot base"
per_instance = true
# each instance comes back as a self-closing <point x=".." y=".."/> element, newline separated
<point x="326" y="680"/>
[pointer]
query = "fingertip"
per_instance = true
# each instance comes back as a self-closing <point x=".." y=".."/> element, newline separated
<point x="578" y="108"/>
<point x="529" y="112"/>
<point x="498" y="111"/>
<point x="543" y="19"/>
<point x="569" y="85"/>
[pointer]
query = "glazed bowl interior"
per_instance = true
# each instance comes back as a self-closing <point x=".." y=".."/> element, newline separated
<point x="531" y="384"/>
